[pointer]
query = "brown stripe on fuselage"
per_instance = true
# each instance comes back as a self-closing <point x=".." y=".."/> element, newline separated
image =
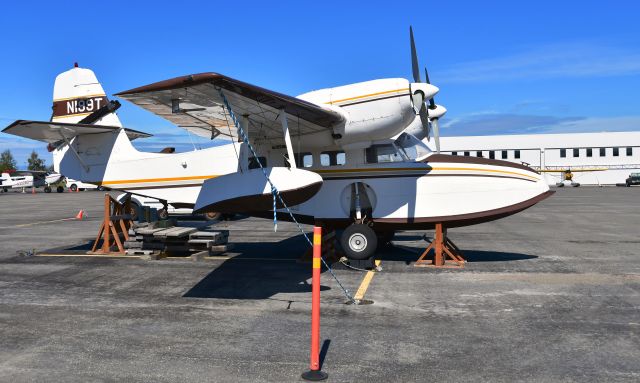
<point x="436" y="158"/>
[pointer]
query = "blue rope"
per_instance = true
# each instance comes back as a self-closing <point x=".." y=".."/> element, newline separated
<point x="276" y="193"/>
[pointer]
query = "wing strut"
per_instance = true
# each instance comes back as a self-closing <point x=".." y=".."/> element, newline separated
<point x="287" y="138"/>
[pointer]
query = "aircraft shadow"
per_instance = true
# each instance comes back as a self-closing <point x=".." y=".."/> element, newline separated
<point x="260" y="271"/>
<point x="403" y="254"/>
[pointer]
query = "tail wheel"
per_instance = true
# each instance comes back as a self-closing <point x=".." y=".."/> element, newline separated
<point x="133" y="210"/>
<point x="212" y="215"/>
<point x="163" y="213"/>
<point x="359" y="241"/>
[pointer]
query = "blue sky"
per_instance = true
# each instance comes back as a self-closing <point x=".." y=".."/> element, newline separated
<point x="502" y="66"/>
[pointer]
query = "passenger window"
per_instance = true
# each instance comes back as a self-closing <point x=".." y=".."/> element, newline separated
<point x="616" y="152"/>
<point x="492" y="154"/>
<point x="576" y="152"/>
<point x="563" y="153"/>
<point x="304" y="160"/>
<point x="253" y="162"/>
<point x="324" y="159"/>
<point x="589" y="152"/>
<point x="454" y="153"/>
<point x="466" y="154"/>
<point x="332" y="158"/>
<point x="629" y="152"/>
<point x="478" y="154"/>
<point x="603" y="152"/>
<point x="516" y="154"/>
<point x="504" y="155"/>
<point x="382" y="153"/>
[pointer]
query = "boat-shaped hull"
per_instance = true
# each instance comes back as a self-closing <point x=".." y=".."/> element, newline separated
<point x="249" y="191"/>
<point x="453" y="190"/>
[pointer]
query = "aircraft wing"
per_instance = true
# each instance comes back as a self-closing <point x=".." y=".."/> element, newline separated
<point x="53" y="132"/>
<point x="202" y="110"/>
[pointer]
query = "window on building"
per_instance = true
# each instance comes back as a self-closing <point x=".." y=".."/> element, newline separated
<point x="504" y="155"/>
<point x="629" y="151"/>
<point x="332" y="158"/>
<point x="492" y="154"/>
<point x="467" y="154"/>
<point x="616" y="152"/>
<point x="576" y="152"/>
<point x="589" y="152"/>
<point x="563" y="153"/>
<point x="516" y="154"/>
<point x="304" y="160"/>
<point x="253" y="162"/>
<point x="454" y="153"/>
<point x="478" y="154"/>
<point x="603" y="152"/>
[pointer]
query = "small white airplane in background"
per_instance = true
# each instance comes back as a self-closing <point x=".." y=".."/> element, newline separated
<point x="29" y="178"/>
<point x="341" y="157"/>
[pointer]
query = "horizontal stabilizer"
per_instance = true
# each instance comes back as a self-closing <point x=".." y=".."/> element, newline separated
<point x="52" y="132"/>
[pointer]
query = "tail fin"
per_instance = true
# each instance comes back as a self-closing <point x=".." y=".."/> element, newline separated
<point x="76" y="94"/>
<point x="5" y="176"/>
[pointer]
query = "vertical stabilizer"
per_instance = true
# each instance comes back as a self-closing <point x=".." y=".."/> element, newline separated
<point x="76" y="94"/>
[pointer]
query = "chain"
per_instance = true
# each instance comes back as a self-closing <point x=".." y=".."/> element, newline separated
<point x="276" y="193"/>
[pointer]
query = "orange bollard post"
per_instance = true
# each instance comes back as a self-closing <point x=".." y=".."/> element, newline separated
<point x="314" y="374"/>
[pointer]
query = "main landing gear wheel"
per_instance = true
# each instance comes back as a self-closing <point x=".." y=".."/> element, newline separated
<point x="73" y="187"/>
<point x="60" y="189"/>
<point x="47" y="189"/>
<point x="359" y="241"/>
<point x="163" y="213"/>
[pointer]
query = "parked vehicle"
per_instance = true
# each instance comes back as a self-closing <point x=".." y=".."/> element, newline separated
<point x="633" y="179"/>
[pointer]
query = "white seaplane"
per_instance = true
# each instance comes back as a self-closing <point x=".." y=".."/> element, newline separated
<point x="27" y="179"/>
<point x="340" y="157"/>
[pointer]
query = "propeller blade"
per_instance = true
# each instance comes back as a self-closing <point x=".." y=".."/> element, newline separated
<point x="436" y="133"/>
<point x="432" y="102"/>
<point x="414" y="58"/>
<point x="424" y="118"/>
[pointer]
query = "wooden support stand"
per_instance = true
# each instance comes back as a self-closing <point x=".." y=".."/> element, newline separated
<point x="117" y="222"/>
<point x="443" y="248"/>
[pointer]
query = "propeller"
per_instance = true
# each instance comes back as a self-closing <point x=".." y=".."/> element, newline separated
<point x="429" y="114"/>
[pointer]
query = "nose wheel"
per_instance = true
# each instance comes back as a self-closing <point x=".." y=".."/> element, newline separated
<point x="359" y="241"/>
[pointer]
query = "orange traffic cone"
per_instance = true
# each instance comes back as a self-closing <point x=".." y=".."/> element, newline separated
<point x="33" y="190"/>
<point x="80" y="214"/>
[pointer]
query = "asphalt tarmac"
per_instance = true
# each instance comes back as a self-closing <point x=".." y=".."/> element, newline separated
<point x="551" y="294"/>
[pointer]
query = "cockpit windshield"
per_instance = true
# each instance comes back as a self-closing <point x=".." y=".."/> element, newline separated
<point x="411" y="147"/>
<point x="406" y="148"/>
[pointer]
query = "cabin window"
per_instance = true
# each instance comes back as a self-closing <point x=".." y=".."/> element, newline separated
<point x="563" y="153"/>
<point x="467" y="154"/>
<point x="254" y="164"/>
<point x="504" y="155"/>
<point x="304" y="160"/>
<point x="454" y="153"/>
<point x="383" y="153"/>
<point x="589" y="152"/>
<point x="411" y="148"/>
<point x="478" y="154"/>
<point x="332" y="158"/>
<point x="629" y="151"/>
<point x="603" y="152"/>
<point x="492" y="154"/>
<point x="576" y="152"/>
<point x="516" y="154"/>
<point x="616" y="152"/>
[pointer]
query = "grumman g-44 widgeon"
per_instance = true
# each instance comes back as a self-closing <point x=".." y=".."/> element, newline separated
<point x="341" y="157"/>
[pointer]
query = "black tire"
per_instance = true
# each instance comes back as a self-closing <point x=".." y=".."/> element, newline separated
<point x="163" y="213"/>
<point x="73" y="187"/>
<point x="100" y="188"/>
<point x="47" y="189"/>
<point x="60" y="189"/>
<point x="212" y="215"/>
<point x="359" y="241"/>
